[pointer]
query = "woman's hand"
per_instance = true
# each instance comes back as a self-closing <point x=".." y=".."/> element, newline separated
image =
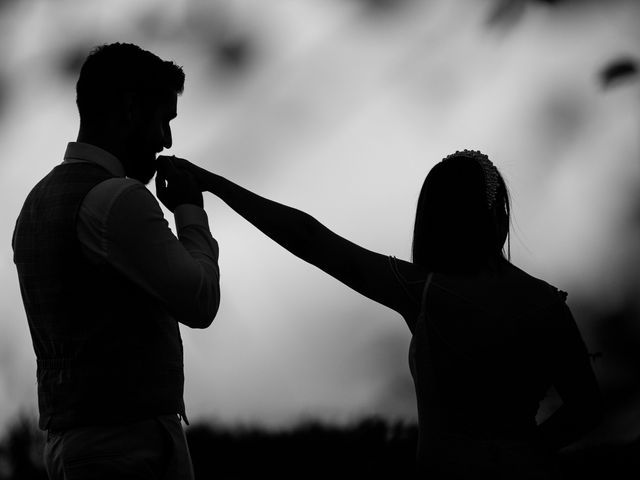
<point x="176" y="184"/>
<point x="180" y="164"/>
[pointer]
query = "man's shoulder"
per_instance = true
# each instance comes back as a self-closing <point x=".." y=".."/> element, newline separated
<point x="115" y="187"/>
<point x="105" y="195"/>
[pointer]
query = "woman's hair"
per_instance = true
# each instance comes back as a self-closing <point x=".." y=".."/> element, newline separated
<point x="113" y="69"/>
<point x="462" y="218"/>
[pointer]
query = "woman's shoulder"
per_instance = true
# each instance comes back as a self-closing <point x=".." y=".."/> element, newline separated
<point x="508" y="285"/>
<point x="412" y="277"/>
<point x="538" y="290"/>
<point x="528" y="279"/>
<point x="411" y="272"/>
<point x="507" y="289"/>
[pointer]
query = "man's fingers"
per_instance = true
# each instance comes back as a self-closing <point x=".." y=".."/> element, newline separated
<point x="167" y="162"/>
<point x="161" y="185"/>
<point x="167" y="175"/>
<point x="167" y="167"/>
<point x="162" y="164"/>
<point x="174" y="169"/>
<point x="181" y="163"/>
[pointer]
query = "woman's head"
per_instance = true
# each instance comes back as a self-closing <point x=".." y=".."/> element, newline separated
<point x="462" y="218"/>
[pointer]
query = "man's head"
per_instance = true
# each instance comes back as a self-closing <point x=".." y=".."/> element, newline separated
<point x="126" y="97"/>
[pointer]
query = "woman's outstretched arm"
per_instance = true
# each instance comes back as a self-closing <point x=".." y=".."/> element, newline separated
<point x="367" y="272"/>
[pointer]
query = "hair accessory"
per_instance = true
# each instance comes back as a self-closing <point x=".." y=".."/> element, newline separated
<point x="488" y="169"/>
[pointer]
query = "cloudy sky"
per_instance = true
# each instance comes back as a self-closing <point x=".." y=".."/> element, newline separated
<point x="340" y="108"/>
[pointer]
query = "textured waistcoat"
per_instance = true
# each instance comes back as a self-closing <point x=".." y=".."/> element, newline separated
<point x="107" y="352"/>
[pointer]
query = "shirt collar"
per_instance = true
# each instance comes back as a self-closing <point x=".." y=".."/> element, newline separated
<point x="85" y="152"/>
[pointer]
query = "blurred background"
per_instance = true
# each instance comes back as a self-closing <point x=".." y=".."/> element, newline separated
<point x="340" y="108"/>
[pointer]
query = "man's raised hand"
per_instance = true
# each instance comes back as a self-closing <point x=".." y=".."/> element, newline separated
<point x="176" y="184"/>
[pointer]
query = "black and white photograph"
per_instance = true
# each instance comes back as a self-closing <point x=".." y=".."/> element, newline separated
<point x="320" y="239"/>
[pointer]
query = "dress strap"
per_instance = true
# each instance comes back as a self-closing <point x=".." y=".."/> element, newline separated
<point x="393" y="263"/>
<point x="424" y="293"/>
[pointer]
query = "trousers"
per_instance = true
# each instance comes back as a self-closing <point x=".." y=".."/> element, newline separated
<point x="151" y="449"/>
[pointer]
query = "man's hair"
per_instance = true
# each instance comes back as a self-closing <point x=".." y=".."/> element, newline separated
<point x="114" y="69"/>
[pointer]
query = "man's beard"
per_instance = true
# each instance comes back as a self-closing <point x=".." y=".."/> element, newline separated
<point x="141" y="167"/>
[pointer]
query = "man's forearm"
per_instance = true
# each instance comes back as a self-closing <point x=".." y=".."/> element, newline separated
<point x="194" y="235"/>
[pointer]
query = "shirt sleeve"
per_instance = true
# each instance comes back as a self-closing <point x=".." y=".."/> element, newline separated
<point x="120" y="222"/>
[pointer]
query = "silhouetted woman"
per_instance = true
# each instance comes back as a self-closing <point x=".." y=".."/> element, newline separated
<point x="488" y="341"/>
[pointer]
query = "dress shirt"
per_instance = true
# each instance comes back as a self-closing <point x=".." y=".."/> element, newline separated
<point x="120" y="223"/>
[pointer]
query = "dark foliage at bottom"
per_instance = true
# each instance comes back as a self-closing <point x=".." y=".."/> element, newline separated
<point x="369" y="449"/>
<point x="21" y="450"/>
<point x="604" y="462"/>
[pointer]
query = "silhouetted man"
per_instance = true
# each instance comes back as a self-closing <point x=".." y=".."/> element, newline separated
<point x="105" y="282"/>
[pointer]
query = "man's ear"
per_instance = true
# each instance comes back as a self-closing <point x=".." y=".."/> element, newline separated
<point x="131" y="109"/>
